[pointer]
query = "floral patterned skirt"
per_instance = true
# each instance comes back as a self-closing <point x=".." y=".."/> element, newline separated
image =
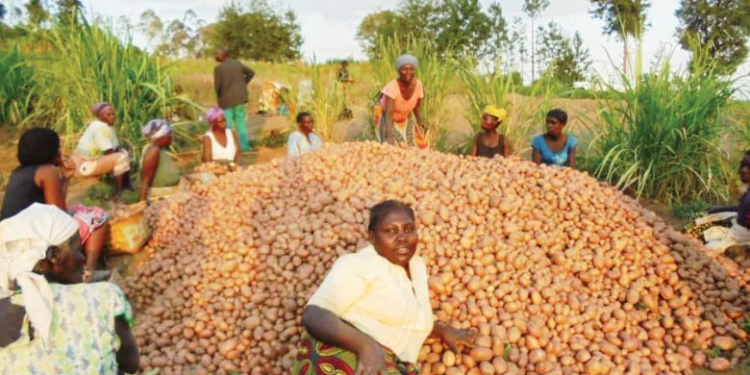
<point x="317" y="358"/>
<point x="406" y="132"/>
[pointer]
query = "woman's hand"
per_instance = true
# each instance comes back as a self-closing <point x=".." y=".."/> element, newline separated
<point x="68" y="169"/>
<point x="455" y="337"/>
<point x="371" y="360"/>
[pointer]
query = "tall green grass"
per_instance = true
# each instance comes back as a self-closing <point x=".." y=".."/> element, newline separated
<point x="18" y="89"/>
<point x="739" y="118"/>
<point x="435" y="70"/>
<point x="326" y="104"/>
<point x="662" y="137"/>
<point x="87" y="64"/>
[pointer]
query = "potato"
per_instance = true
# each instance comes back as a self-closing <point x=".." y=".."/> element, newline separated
<point x="719" y="364"/>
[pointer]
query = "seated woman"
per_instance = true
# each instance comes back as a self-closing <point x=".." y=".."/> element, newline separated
<point x="157" y="167"/>
<point x="220" y="144"/>
<point x="729" y="226"/>
<point x="372" y="312"/>
<point x="53" y="324"/>
<point x="555" y="147"/>
<point x="303" y="140"/>
<point x="489" y="142"/>
<point x="99" y="151"/>
<point x="43" y="178"/>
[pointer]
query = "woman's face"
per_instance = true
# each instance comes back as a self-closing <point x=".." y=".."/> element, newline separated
<point x="164" y="141"/>
<point x="554" y="126"/>
<point x="406" y="73"/>
<point x="306" y="124"/>
<point x="220" y="123"/>
<point x="107" y="115"/>
<point x="745" y="174"/>
<point x="489" y="122"/>
<point x="66" y="262"/>
<point x="395" y="237"/>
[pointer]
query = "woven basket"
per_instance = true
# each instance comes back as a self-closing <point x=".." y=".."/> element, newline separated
<point x="129" y="234"/>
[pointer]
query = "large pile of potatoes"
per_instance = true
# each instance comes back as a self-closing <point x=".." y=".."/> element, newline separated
<point x="559" y="273"/>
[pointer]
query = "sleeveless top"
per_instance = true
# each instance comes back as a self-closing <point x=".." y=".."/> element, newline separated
<point x="489" y="152"/>
<point x="167" y="174"/>
<point x="22" y="191"/>
<point x="219" y="152"/>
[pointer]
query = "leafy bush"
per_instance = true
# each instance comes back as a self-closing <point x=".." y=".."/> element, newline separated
<point x="689" y="210"/>
<point x="275" y="139"/>
<point x="18" y="90"/>
<point x="662" y="136"/>
<point x="87" y="64"/>
<point x="99" y="195"/>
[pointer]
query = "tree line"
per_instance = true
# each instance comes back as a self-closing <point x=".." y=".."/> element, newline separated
<point x="253" y="29"/>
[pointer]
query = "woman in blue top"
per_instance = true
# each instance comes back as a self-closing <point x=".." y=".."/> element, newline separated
<point x="555" y="147"/>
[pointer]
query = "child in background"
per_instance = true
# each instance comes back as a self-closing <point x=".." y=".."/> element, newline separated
<point x="303" y="140"/>
<point x="489" y="142"/>
<point x="555" y="147"/>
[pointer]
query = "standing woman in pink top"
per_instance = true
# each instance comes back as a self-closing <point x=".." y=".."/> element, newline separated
<point x="401" y="98"/>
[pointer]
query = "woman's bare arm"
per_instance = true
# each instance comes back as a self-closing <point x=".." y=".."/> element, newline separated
<point x="206" y="149"/>
<point x="148" y="169"/>
<point x="329" y="328"/>
<point x="390" y="107"/>
<point x="536" y="156"/>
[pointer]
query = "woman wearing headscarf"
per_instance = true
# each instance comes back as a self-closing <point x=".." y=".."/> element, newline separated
<point x="490" y="142"/>
<point x="220" y="144"/>
<point x="372" y="312"/>
<point x="158" y="170"/>
<point x="43" y="177"/>
<point x="401" y="98"/>
<point x="52" y="323"/>
<point x="99" y="151"/>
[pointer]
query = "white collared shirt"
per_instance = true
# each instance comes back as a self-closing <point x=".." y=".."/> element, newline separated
<point x="298" y="144"/>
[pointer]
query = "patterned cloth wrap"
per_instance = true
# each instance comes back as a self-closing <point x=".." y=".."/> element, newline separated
<point x="89" y="219"/>
<point x="405" y="132"/>
<point x="317" y="358"/>
<point x="700" y="225"/>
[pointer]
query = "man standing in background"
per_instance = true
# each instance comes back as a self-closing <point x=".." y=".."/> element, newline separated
<point x="230" y="81"/>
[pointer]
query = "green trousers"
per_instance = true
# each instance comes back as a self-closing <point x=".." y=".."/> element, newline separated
<point x="235" y="117"/>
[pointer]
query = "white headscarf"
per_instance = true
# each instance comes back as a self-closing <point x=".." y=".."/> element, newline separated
<point x="24" y="239"/>
<point x="156" y="129"/>
<point x="406" y="59"/>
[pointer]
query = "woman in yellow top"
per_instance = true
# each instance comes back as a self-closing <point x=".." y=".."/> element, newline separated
<point x="372" y="312"/>
<point x="401" y="98"/>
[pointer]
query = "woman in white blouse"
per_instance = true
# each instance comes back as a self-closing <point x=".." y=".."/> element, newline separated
<point x="372" y="312"/>
<point x="220" y="144"/>
<point x="303" y="140"/>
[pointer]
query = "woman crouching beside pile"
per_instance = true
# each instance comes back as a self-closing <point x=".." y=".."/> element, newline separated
<point x="43" y="177"/>
<point x="372" y="313"/>
<point x="158" y="170"/>
<point x="52" y="323"/>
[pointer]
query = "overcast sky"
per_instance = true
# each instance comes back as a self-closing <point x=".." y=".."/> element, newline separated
<point x="329" y="26"/>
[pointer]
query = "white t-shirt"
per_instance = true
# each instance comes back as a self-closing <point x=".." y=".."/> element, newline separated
<point x="97" y="138"/>
<point x="299" y="145"/>
<point x="219" y="152"/>
<point x="378" y="298"/>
